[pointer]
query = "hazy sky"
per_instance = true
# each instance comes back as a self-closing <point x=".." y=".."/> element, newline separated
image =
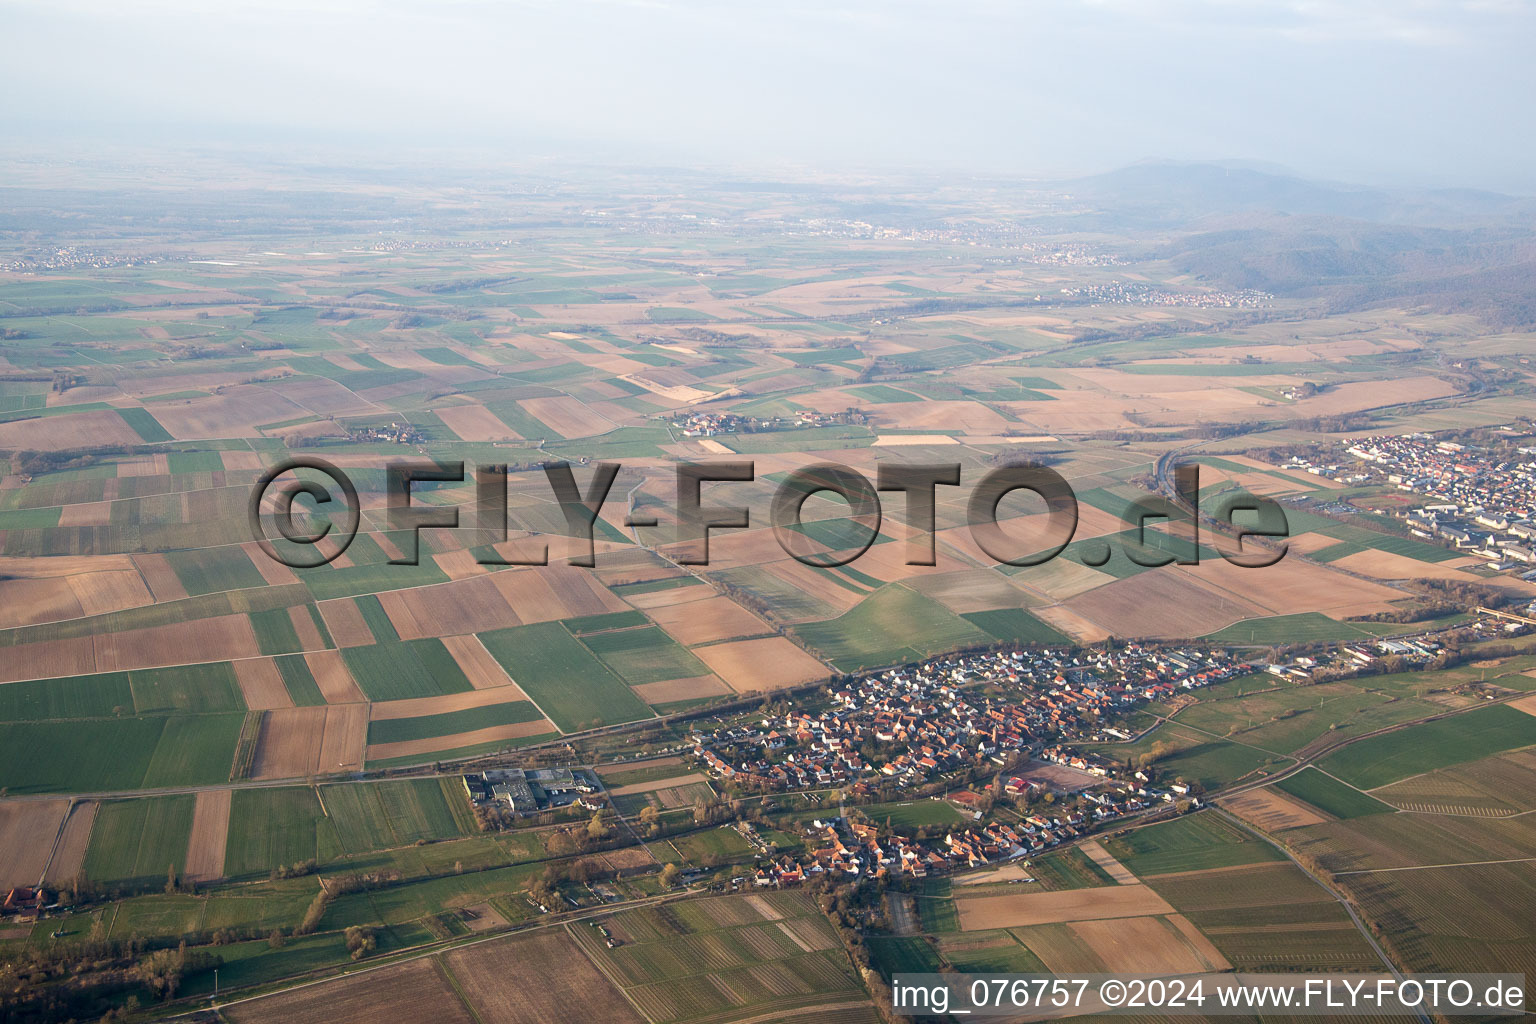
<point x="1411" y="91"/>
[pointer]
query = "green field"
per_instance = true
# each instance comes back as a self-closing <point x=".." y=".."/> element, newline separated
<point x="1422" y="748"/>
<point x="575" y="690"/>
<point x="394" y="730"/>
<point x="645" y="655"/>
<point x="210" y="570"/>
<point x="81" y="756"/>
<point x="1330" y="795"/>
<point x="135" y="842"/>
<point x="376" y="816"/>
<point x="194" y="750"/>
<point x="98" y="696"/>
<point x="1015" y="625"/>
<point x="191" y="689"/>
<point x="913" y="814"/>
<point x="299" y="681"/>
<point x="405" y="668"/>
<point x="895" y="625"/>
<point x="1193" y="843"/>
<point x="272" y="827"/>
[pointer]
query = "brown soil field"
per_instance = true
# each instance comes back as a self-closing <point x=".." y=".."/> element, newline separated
<point x="1150" y="945"/>
<point x="45" y="567"/>
<point x="1526" y="704"/>
<point x="650" y="787"/>
<point x="346" y="623"/>
<point x="1066" y="621"/>
<point x="24" y="602"/>
<point x="261" y="684"/>
<point x="220" y="638"/>
<point x="466" y="606"/>
<point x="73" y="657"/>
<point x="416" y="707"/>
<point x="241" y="462"/>
<point x="346" y="734"/>
<point x="1384" y="565"/>
<point x="482" y="670"/>
<point x="72" y="430"/>
<point x="1291" y="585"/>
<point x="69" y="856"/>
<point x="1353" y="396"/>
<point x="1306" y="543"/>
<point x="434" y="744"/>
<point x="458" y="564"/>
<point x="749" y="666"/>
<point x="162" y="579"/>
<point x="546" y="593"/>
<point x="1106" y="860"/>
<point x="650" y="762"/>
<point x="716" y="618"/>
<point x="970" y="417"/>
<point x="27" y="831"/>
<point x="413" y="991"/>
<point x="235" y="413"/>
<point x="331" y="675"/>
<point x="288" y="745"/>
<point x="1160" y="603"/>
<point x="296" y="742"/>
<point x="670" y="690"/>
<point x="567" y="416"/>
<point x="730" y="549"/>
<point x="1011" y="910"/>
<point x="542" y="978"/>
<point x="667" y="598"/>
<point x="111" y="591"/>
<point x="475" y="423"/>
<point x="1007" y="873"/>
<point x="1272" y="810"/>
<point x="629" y="857"/>
<point x="210" y="830"/>
<point x="274" y="572"/>
<point x="304" y="626"/>
<point x="91" y="513"/>
<point x="971" y="590"/>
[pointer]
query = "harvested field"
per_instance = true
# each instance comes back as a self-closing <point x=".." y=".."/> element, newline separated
<point x="537" y="979"/>
<point x="750" y="666"/>
<point x="566" y="416"/>
<point x="220" y="638"/>
<point x="475" y="423"/>
<point x="1106" y="860"/>
<point x="670" y="690"/>
<point x="345" y="622"/>
<point x="1160" y="603"/>
<point x="210" y="830"/>
<point x="261" y="684"/>
<point x="234" y="413"/>
<point x="305" y="629"/>
<point x="333" y="678"/>
<point x="1386" y="565"/>
<point x="1291" y="586"/>
<point x="275" y="573"/>
<point x="295" y="742"/>
<point x="476" y="663"/>
<point x="413" y="991"/>
<point x="463" y="606"/>
<point x="1526" y="704"/>
<point x="1007" y="873"/>
<point x="1149" y="945"/>
<point x="1069" y="623"/>
<point x="72" y="430"/>
<point x="101" y="592"/>
<point x="714" y="618"/>
<point x="629" y="857"/>
<point x="1012" y="910"/>
<point x="1271" y="810"/>
<point x="24" y="602"/>
<point x="163" y="582"/>
<point x="547" y="593"/>
<point x="27" y="832"/>
<point x="69" y="855"/>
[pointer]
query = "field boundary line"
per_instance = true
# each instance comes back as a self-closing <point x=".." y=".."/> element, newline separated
<point x="515" y="683"/>
<point x="1431" y="867"/>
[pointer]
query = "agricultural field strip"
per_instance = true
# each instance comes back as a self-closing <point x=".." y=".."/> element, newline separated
<point x="1427" y="867"/>
<point x="526" y="695"/>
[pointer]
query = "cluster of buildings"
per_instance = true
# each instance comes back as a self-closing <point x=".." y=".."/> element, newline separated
<point x="1134" y="294"/>
<point x="849" y="848"/>
<point x="1479" y="503"/>
<point x="708" y="424"/>
<point x="529" y="791"/>
<point x="908" y="726"/>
